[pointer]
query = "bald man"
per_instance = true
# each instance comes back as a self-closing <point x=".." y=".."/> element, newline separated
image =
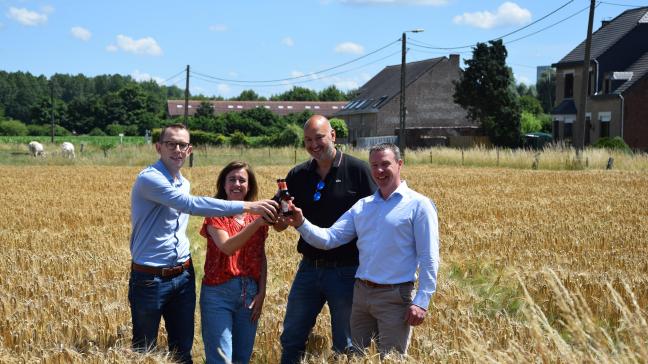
<point x="323" y="188"/>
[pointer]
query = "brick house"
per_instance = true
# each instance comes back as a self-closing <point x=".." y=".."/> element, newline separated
<point x="617" y="99"/>
<point x="175" y="108"/>
<point x="433" y="118"/>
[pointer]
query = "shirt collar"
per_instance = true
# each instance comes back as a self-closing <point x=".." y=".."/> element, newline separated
<point x="336" y="161"/>
<point x="400" y="190"/>
<point x="159" y="165"/>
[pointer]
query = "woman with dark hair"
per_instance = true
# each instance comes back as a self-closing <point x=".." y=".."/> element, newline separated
<point x="233" y="289"/>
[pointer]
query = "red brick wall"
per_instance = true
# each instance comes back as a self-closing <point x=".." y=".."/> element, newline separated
<point x="635" y="126"/>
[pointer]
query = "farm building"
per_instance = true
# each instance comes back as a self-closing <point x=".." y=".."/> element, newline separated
<point x="617" y="97"/>
<point x="433" y="118"/>
<point x="175" y="108"/>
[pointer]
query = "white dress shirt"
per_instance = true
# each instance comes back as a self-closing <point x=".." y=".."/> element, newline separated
<point x="396" y="236"/>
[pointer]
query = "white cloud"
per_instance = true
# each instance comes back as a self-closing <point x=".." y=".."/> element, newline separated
<point x="218" y="27"/>
<point x="146" y="45"/>
<point x="223" y="89"/>
<point x="288" y="42"/>
<point x="349" y="47"/>
<point x="142" y="76"/>
<point x="396" y="2"/>
<point x="27" y="17"/>
<point x="81" y="33"/>
<point x="296" y="74"/>
<point x="346" y="84"/>
<point x="507" y="14"/>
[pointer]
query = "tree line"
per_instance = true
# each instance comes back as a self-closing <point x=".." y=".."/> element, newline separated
<point x="116" y="104"/>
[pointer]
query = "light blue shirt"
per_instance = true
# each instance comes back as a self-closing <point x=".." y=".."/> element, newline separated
<point x="396" y="236"/>
<point x="160" y="209"/>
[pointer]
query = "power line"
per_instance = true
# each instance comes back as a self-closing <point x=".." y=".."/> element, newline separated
<point x="298" y="77"/>
<point x="430" y="46"/>
<point x="172" y="77"/>
<point x="285" y="83"/>
<point x="550" y="26"/>
<point x="625" y="5"/>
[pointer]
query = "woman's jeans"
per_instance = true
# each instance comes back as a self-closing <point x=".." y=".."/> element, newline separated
<point x="227" y="328"/>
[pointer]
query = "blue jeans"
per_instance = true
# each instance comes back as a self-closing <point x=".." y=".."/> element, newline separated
<point x="226" y="319"/>
<point x="312" y="288"/>
<point x="152" y="297"/>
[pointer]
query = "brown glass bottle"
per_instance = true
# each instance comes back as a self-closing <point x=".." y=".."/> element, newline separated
<point x="283" y="197"/>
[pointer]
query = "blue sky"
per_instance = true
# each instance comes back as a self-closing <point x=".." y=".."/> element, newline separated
<point x="228" y="43"/>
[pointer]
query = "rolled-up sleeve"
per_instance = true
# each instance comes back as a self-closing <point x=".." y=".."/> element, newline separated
<point x="426" y="235"/>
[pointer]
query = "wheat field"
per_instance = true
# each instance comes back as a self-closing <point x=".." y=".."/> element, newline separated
<point x="537" y="266"/>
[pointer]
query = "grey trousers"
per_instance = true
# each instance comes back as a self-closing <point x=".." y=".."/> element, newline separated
<point x="379" y="314"/>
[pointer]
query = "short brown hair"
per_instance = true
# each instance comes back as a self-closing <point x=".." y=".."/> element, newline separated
<point x="253" y="188"/>
<point x="171" y="126"/>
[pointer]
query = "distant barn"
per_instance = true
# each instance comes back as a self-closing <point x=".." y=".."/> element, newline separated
<point x="175" y="108"/>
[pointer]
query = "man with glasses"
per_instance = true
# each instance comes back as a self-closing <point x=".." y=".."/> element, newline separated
<point x="398" y="235"/>
<point x="162" y="281"/>
<point x="324" y="188"/>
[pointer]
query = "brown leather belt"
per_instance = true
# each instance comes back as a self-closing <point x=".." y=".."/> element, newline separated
<point x="163" y="272"/>
<point x="371" y="284"/>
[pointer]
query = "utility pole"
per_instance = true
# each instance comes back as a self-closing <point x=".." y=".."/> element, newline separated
<point x="51" y="84"/>
<point x="401" y="134"/>
<point x="579" y="128"/>
<point x="403" y="111"/>
<point x="186" y="112"/>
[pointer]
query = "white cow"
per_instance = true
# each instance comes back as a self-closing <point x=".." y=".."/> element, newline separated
<point x="36" y="148"/>
<point x="67" y="150"/>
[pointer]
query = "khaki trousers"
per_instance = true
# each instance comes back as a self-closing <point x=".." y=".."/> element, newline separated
<point x="379" y="313"/>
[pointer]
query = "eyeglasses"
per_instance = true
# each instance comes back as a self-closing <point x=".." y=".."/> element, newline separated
<point x="318" y="195"/>
<point x="172" y="145"/>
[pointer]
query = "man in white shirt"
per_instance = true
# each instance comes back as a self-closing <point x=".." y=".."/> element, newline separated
<point x="398" y="233"/>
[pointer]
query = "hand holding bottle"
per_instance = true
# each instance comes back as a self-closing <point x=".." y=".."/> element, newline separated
<point x="296" y="219"/>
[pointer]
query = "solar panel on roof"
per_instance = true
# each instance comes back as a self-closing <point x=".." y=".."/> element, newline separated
<point x="380" y="100"/>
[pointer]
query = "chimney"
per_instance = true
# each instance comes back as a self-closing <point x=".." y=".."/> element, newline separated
<point x="605" y="22"/>
<point x="454" y="59"/>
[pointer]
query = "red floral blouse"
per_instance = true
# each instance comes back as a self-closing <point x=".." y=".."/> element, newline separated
<point x="245" y="262"/>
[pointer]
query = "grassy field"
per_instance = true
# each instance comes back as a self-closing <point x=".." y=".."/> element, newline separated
<point x="537" y="265"/>
<point x="139" y="154"/>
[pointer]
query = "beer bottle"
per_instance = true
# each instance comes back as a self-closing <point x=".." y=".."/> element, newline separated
<point x="283" y="197"/>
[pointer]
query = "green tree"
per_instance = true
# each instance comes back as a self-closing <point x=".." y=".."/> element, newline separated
<point x="238" y="139"/>
<point x="530" y="104"/>
<point x="296" y="94"/>
<point x="484" y="91"/>
<point x="12" y="127"/>
<point x="248" y="95"/>
<point x="332" y="93"/>
<point x="205" y="109"/>
<point x="341" y="129"/>
<point x="529" y="122"/>
<point x="546" y="89"/>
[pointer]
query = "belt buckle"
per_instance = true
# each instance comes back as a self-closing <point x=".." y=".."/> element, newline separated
<point x="166" y="272"/>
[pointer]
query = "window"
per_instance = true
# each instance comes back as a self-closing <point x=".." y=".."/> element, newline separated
<point x="568" y="131"/>
<point x="590" y="84"/>
<point x="569" y="85"/>
<point x="604" y="121"/>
